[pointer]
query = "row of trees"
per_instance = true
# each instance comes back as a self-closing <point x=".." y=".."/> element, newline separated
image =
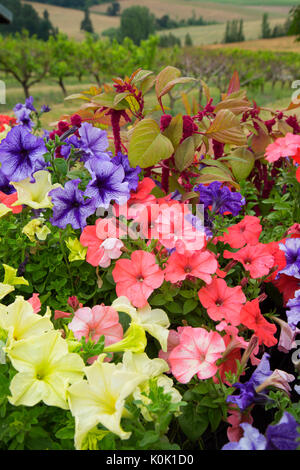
<point x="30" y="60"/>
<point x="26" y="17"/>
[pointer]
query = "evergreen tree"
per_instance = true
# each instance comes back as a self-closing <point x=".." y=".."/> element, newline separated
<point x="265" y="27"/>
<point x="188" y="40"/>
<point x="241" y="36"/>
<point x="294" y="26"/>
<point x="86" y="24"/>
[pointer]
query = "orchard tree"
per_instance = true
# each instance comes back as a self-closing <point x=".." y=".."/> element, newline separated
<point x="137" y="23"/>
<point x="26" y="59"/>
<point x="63" y="59"/>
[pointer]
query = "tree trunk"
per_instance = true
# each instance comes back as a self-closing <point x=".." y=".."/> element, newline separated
<point x="62" y="86"/>
<point x="25" y="89"/>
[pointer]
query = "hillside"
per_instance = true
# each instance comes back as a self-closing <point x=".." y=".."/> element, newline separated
<point x="68" y="20"/>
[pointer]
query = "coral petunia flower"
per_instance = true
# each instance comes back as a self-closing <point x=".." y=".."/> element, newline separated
<point x="286" y="146"/>
<point x="255" y="259"/>
<point x="196" y="353"/>
<point x="200" y="264"/>
<point x="95" y="322"/>
<point x="102" y="242"/>
<point x="279" y="259"/>
<point x="8" y="200"/>
<point x="246" y="231"/>
<point x="222" y="302"/>
<point x="136" y="278"/>
<point x="252" y="318"/>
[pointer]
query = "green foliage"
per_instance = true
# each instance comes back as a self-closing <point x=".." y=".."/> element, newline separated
<point x="137" y="23"/>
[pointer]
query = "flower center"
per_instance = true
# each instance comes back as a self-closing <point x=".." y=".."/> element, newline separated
<point x="187" y="269"/>
<point x="247" y="261"/>
<point x="140" y="278"/>
<point x="219" y="302"/>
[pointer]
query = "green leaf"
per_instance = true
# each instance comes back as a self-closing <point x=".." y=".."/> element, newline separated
<point x="164" y="77"/>
<point x="174" y="307"/>
<point x="241" y="162"/>
<point x="149" y="438"/>
<point x="159" y="299"/>
<point x="214" y="416"/>
<point x="174" y="130"/>
<point x="193" y="424"/>
<point x="189" y="305"/>
<point x="108" y="100"/>
<point x="226" y="128"/>
<point x="184" y="155"/>
<point x="61" y="166"/>
<point x="147" y="145"/>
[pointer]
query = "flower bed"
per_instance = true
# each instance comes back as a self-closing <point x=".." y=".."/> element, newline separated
<point x="150" y="293"/>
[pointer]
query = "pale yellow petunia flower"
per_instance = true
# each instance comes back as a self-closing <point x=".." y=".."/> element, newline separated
<point x="35" y="195"/>
<point x="101" y="398"/>
<point x="45" y="370"/>
<point x="155" y="322"/>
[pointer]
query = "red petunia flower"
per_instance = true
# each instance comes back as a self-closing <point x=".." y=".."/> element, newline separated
<point x="246" y="231"/>
<point x="200" y="264"/>
<point x="287" y="285"/>
<point x="136" y="278"/>
<point x="8" y="200"/>
<point x="255" y="259"/>
<point x="252" y="318"/>
<point x="222" y="302"/>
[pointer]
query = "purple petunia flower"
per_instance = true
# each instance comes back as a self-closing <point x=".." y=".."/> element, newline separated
<point x="70" y="207"/>
<point x="131" y="174"/>
<point x="21" y="154"/>
<point x="292" y="256"/>
<point x="220" y="198"/>
<point x="45" y="108"/>
<point x="284" y="435"/>
<point x="65" y="150"/>
<point x="293" y="314"/>
<point x="5" y="187"/>
<point x="247" y="394"/>
<point x="23" y="113"/>
<point x="93" y="142"/>
<point x="251" y="440"/>
<point x="107" y="183"/>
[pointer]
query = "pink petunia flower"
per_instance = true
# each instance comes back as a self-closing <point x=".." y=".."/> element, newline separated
<point x="173" y="341"/>
<point x="200" y="264"/>
<point x="35" y="303"/>
<point x="235" y="431"/>
<point x="95" y="322"/>
<point x="246" y="231"/>
<point x="222" y="302"/>
<point x="256" y="259"/>
<point x="283" y="147"/>
<point x="136" y="278"/>
<point x="196" y="353"/>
